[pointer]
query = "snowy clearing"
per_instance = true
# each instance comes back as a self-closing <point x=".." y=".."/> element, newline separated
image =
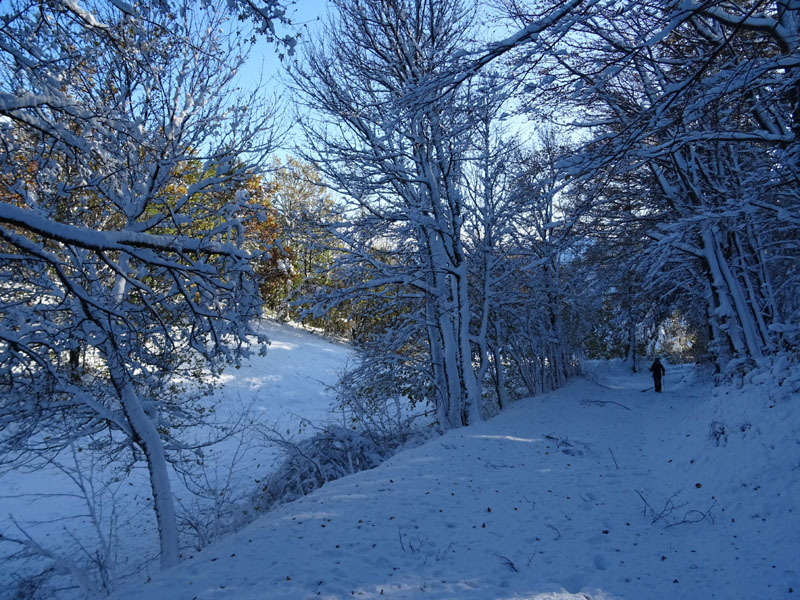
<point x="599" y="490"/>
<point x="280" y="392"/>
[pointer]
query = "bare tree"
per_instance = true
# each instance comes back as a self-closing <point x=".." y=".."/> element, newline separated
<point x="392" y="145"/>
<point x="121" y="132"/>
<point x="695" y="105"/>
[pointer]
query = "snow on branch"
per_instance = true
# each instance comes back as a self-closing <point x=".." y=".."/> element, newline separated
<point x="100" y="241"/>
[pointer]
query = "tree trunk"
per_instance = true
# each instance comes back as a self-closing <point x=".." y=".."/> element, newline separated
<point x="499" y="378"/>
<point x="145" y="434"/>
<point x="469" y="385"/>
<point x="442" y="402"/>
<point x="741" y="327"/>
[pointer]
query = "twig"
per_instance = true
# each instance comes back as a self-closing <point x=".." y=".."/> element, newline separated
<point x="669" y="508"/>
<point x="554" y="528"/>
<point x="646" y="504"/>
<point x="532" y="556"/>
<point x="490" y="465"/>
<point x="614" y="458"/>
<point x="695" y="513"/>
<point x="690" y="516"/>
<point x="508" y="562"/>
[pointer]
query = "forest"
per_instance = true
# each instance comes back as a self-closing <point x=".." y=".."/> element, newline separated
<point x="477" y="195"/>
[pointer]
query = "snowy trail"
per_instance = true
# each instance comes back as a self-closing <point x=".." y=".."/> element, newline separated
<point x="542" y="502"/>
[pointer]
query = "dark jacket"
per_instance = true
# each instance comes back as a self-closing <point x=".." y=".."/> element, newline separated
<point x="657" y="369"/>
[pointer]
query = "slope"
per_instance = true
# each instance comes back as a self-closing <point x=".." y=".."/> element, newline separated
<point x="599" y="490"/>
<point x="276" y="392"/>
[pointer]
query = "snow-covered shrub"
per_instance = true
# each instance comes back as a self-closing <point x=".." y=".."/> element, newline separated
<point x="717" y="432"/>
<point x="31" y="587"/>
<point x="382" y="395"/>
<point x="756" y="420"/>
<point x="374" y="424"/>
<point x="333" y="452"/>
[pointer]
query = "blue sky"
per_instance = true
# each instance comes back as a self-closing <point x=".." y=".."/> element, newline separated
<point x="305" y="16"/>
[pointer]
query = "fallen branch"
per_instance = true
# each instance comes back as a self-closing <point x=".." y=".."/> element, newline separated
<point x="604" y="402"/>
<point x="690" y="516"/>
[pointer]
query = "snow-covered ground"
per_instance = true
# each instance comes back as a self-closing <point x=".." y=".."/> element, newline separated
<point x="279" y="392"/>
<point x="603" y="489"/>
<point x="599" y="490"/>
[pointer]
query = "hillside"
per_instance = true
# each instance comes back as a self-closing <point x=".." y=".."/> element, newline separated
<point x="276" y="393"/>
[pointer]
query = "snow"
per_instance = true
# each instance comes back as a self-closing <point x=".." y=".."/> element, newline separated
<point x="600" y="490"/>
<point x="292" y="382"/>
<point x="282" y="390"/>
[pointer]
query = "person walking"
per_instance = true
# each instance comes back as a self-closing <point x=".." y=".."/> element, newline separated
<point x="658" y="371"/>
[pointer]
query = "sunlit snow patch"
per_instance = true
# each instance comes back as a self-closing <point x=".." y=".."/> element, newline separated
<point x="510" y="438"/>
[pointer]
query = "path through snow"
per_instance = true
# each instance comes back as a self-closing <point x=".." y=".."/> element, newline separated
<point x="596" y="491"/>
